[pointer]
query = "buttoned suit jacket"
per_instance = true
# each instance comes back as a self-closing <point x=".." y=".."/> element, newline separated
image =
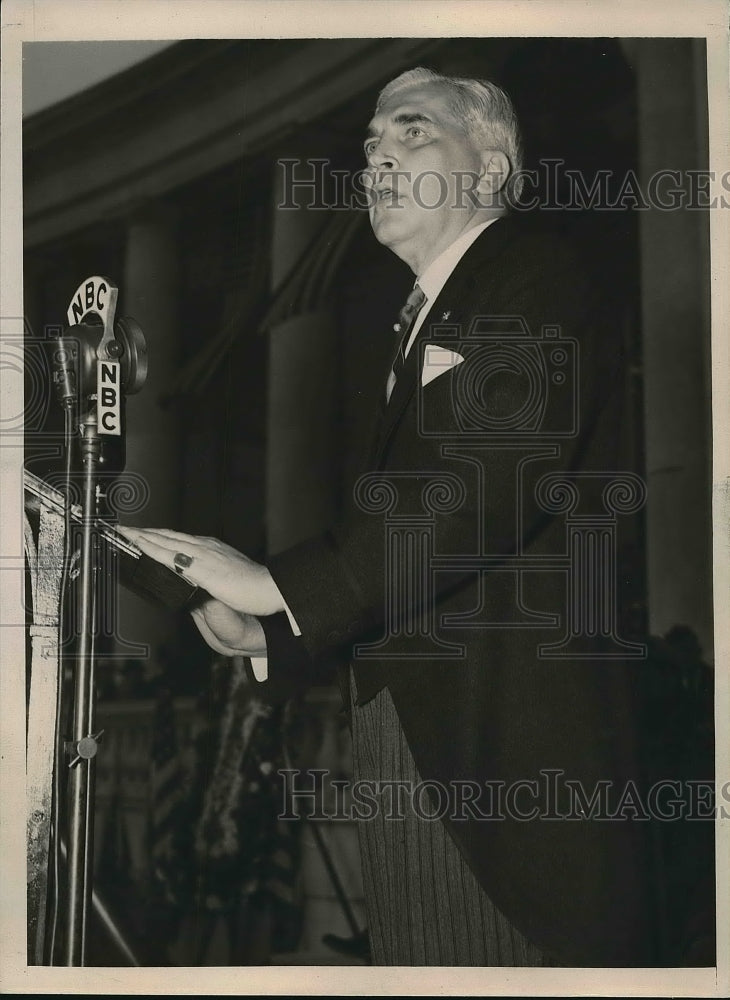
<point x="481" y="706"/>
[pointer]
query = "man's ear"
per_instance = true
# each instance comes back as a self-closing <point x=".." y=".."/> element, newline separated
<point x="495" y="170"/>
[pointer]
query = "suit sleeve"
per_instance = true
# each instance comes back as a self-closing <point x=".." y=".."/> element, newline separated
<point x="291" y="669"/>
<point x="336" y="584"/>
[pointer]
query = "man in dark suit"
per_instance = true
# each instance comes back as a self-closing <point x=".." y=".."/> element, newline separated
<point x="446" y="583"/>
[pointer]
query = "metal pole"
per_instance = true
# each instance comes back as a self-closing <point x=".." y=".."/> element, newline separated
<point x="102" y="912"/>
<point x="81" y="780"/>
<point x="108" y="922"/>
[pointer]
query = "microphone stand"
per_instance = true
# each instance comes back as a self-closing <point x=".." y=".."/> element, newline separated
<point x="95" y="365"/>
<point x="108" y="922"/>
<point x="84" y="743"/>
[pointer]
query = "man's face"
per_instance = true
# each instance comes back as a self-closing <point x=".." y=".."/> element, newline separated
<point x="421" y="165"/>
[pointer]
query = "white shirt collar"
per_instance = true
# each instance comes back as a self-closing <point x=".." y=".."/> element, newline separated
<point x="439" y="270"/>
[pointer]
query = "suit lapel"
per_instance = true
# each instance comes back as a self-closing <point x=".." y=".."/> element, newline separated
<point x="452" y="302"/>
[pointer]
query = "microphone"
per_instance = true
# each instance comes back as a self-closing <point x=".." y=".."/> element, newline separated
<point x="98" y="357"/>
<point x="64" y="372"/>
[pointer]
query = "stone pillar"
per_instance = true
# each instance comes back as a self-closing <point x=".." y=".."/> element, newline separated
<point x="149" y="293"/>
<point x="301" y="487"/>
<point x="302" y="397"/>
<point x="674" y="248"/>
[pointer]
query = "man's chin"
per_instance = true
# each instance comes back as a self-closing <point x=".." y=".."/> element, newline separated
<point x="387" y="230"/>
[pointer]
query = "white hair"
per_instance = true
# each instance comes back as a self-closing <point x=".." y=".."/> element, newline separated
<point x="482" y="108"/>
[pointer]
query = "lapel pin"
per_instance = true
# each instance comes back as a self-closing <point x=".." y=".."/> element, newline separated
<point x="445" y="315"/>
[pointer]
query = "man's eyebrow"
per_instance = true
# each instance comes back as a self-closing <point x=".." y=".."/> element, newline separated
<point x="412" y="118"/>
<point x="404" y="118"/>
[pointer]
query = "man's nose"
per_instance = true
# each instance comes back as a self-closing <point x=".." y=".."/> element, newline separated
<point x="382" y="158"/>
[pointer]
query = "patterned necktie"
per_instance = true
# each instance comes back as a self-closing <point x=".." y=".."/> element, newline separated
<point x="406" y="319"/>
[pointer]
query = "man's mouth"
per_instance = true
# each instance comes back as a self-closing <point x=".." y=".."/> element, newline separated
<point x="384" y="194"/>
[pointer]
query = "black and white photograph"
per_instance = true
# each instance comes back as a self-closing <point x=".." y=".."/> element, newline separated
<point x="366" y="527"/>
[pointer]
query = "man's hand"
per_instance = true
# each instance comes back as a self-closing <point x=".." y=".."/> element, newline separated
<point x="226" y="574"/>
<point x="229" y="632"/>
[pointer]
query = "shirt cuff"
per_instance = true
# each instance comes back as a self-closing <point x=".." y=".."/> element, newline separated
<point x="260" y="664"/>
<point x="260" y="667"/>
<point x="292" y="620"/>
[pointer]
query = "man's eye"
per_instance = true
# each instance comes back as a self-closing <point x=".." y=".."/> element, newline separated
<point x="416" y="132"/>
<point x="370" y="147"/>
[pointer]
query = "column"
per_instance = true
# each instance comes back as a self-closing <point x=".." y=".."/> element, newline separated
<point x="674" y="248"/>
<point x="302" y="398"/>
<point x="149" y="293"/>
<point x="301" y="485"/>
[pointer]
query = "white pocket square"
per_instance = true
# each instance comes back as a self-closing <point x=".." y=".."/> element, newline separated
<point x="436" y="361"/>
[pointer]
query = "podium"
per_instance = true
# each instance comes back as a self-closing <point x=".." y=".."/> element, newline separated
<point x="46" y="761"/>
